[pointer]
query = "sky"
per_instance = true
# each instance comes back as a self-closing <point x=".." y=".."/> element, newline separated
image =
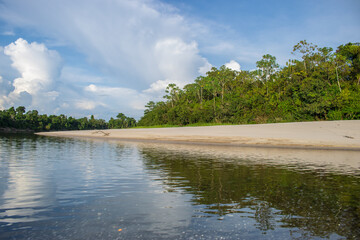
<point x="103" y="57"/>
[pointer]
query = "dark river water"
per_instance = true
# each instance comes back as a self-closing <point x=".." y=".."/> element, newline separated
<point x="59" y="188"/>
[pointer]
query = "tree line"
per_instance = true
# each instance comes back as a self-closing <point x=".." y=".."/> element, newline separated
<point x="20" y="119"/>
<point x="319" y="84"/>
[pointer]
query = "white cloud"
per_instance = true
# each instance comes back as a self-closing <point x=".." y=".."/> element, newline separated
<point x="233" y="65"/>
<point x="135" y="42"/>
<point x="37" y="65"/>
<point x="177" y="60"/>
<point x="79" y="93"/>
<point x="38" y="68"/>
<point x="135" y="45"/>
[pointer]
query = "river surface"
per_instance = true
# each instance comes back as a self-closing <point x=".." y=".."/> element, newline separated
<point x="62" y="188"/>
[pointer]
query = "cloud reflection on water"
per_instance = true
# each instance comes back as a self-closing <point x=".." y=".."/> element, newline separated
<point x="73" y="184"/>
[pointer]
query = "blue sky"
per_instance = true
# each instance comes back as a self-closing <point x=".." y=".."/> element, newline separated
<point x="104" y="57"/>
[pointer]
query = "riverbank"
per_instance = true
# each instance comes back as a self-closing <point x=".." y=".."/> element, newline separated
<point x="15" y="130"/>
<point x="343" y="135"/>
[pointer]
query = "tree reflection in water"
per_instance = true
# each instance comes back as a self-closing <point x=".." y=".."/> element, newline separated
<point x="307" y="202"/>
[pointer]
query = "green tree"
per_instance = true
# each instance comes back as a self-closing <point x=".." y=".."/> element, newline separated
<point x="267" y="67"/>
<point x="351" y="51"/>
<point x="174" y="92"/>
<point x="307" y="51"/>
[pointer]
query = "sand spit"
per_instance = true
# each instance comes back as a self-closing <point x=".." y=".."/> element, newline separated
<point x="340" y="135"/>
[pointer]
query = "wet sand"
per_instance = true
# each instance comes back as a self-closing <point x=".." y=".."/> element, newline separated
<point x="337" y="135"/>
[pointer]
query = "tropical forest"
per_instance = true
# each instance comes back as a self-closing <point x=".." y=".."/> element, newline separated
<point x="318" y="84"/>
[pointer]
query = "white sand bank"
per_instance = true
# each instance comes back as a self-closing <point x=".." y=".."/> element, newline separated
<point x="317" y="135"/>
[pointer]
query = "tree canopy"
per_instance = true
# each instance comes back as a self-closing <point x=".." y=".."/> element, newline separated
<point x="17" y="119"/>
<point x="319" y="84"/>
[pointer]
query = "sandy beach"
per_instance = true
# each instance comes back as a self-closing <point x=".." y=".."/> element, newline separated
<point x="340" y="135"/>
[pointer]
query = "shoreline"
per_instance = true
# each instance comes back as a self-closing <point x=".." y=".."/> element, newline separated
<point x="320" y="135"/>
<point x="15" y="130"/>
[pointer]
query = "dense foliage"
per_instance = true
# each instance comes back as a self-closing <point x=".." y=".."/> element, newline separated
<point x="320" y="85"/>
<point x="31" y="120"/>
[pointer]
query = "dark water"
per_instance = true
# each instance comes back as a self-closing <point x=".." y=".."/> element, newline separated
<point x="53" y="188"/>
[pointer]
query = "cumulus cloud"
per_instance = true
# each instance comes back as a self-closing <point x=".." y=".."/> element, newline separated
<point x="179" y="62"/>
<point x="135" y="42"/>
<point x="37" y="65"/>
<point x="42" y="83"/>
<point x="137" y="47"/>
<point x="233" y="65"/>
<point x="38" y="68"/>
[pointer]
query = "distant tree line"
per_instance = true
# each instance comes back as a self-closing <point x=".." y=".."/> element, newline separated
<point x="20" y="119"/>
<point x="321" y="84"/>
